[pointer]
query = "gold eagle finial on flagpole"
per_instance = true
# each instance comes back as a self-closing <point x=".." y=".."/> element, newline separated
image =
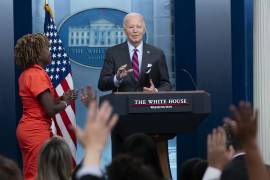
<point x="48" y="8"/>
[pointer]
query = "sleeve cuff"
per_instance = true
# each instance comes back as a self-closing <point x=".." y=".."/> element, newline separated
<point x="212" y="173"/>
<point x="116" y="82"/>
<point x="89" y="170"/>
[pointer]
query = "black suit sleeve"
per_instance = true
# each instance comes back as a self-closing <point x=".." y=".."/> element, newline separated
<point x="105" y="82"/>
<point x="164" y="82"/>
<point x="236" y="169"/>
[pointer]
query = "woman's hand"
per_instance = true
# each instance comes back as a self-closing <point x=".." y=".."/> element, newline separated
<point x="69" y="96"/>
<point x="74" y="94"/>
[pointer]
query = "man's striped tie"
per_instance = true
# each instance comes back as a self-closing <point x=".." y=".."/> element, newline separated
<point x="135" y="65"/>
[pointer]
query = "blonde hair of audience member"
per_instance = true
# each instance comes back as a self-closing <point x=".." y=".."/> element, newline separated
<point x="55" y="160"/>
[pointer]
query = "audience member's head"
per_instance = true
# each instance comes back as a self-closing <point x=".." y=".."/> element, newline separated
<point x="9" y="170"/>
<point x="143" y="147"/>
<point x="125" y="167"/>
<point x="268" y="169"/>
<point x="55" y="160"/>
<point x="193" y="169"/>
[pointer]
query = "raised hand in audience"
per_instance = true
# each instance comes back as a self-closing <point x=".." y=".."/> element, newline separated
<point x="217" y="153"/>
<point x="243" y="121"/>
<point x="87" y="95"/>
<point x="99" y="124"/>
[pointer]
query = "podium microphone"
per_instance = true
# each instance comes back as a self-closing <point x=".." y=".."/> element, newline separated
<point x="190" y="77"/>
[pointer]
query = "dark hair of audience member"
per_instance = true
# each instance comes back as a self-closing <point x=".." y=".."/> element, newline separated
<point x="268" y="169"/>
<point x="55" y="160"/>
<point x="143" y="147"/>
<point x="9" y="169"/>
<point x="193" y="169"/>
<point x="125" y="167"/>
<point x="231" y="138"/>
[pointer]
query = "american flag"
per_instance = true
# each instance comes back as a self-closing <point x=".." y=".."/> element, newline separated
<point x="60" y="73"/>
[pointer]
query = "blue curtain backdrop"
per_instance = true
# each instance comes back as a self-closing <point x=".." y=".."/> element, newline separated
<point x="17" y="21"/>
<point x="213" y="41"/>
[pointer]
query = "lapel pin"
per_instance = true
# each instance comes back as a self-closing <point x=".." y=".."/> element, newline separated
<point x="148" y="52"/>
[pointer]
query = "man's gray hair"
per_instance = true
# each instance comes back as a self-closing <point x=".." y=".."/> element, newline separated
<point x="133" y="14"/>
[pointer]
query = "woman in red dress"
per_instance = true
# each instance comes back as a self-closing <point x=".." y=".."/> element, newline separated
<point x="38" y="99"/>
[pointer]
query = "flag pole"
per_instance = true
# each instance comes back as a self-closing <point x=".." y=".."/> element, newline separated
<point x="48" y="8"/>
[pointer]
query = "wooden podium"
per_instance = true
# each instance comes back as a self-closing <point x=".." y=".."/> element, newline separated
<point x="169" y="112"/>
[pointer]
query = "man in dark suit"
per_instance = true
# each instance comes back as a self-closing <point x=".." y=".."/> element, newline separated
<point x="130" y="66"/>
<point x="133" y="66"/>
<point x="235" y="169"/>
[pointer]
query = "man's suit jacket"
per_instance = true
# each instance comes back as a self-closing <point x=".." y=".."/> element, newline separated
<point x="118" y="55"/>
<point x="235" y="169"/>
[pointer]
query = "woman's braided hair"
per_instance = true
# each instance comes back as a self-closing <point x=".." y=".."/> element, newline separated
<point x="28" y="49"/>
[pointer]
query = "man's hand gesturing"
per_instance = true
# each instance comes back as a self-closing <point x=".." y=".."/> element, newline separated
<point x="122" y="72"/>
